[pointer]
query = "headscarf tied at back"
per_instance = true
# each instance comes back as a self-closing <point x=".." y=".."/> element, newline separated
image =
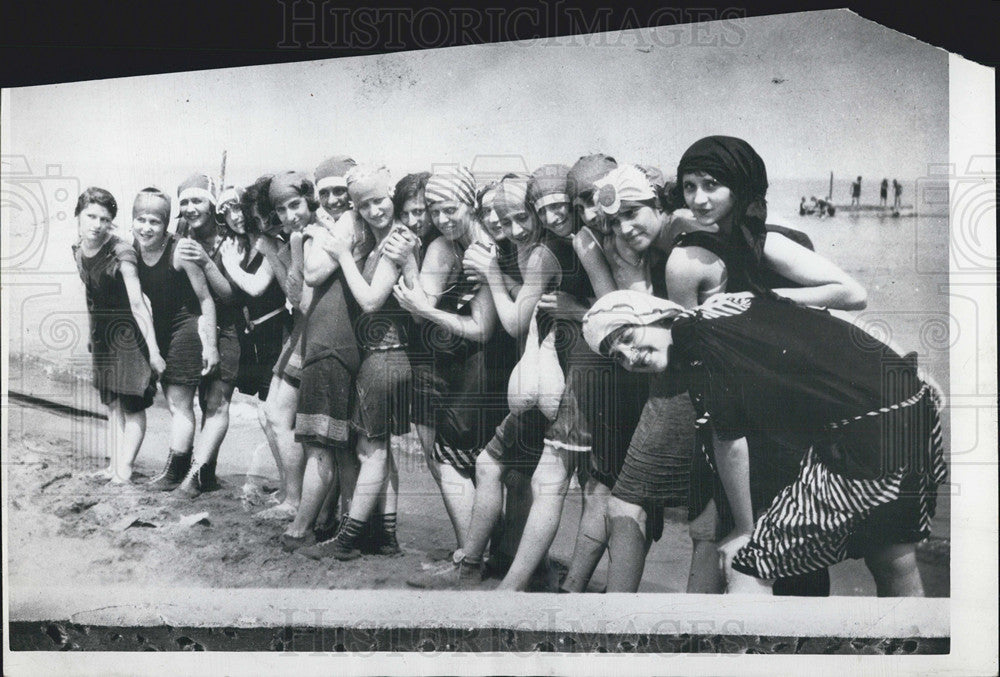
<point x="452" y="184"/>
<point x="735" y="164"/>
<point x="624" y="308"/>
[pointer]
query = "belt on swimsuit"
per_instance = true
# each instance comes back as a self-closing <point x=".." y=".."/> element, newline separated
<point x="262" y="319"/>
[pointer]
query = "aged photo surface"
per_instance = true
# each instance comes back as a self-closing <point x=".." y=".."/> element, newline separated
<point x="676" y="341"/>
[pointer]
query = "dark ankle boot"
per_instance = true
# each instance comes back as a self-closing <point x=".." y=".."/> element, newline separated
<point x="178" y="464"/>
<point x="388" y="545"/>
<point x="209" y="482"/>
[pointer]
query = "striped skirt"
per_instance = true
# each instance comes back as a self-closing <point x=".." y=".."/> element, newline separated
<point x="823" y="517"/>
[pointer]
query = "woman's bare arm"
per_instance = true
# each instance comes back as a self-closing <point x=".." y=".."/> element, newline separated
<point x="823" y="282"/>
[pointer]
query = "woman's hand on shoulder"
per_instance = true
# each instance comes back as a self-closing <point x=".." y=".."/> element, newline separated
<point x="190" y="250"/>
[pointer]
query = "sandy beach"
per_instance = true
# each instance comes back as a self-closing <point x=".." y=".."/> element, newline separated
<point x="65" y="525"/>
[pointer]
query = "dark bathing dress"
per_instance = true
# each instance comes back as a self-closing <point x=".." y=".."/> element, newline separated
<point x="229" y="322"/>
<point x="659" y="469"/>
<point x="120" y="354"/>
<point x="330" y="363"/>
<point x="288" y="366"/>
<point x="176" y="310"/>
<point x="384" y="382"/>
<point x="814" y="381"/>
<point x="460" y="386"/>
<point x="266" y="326"/>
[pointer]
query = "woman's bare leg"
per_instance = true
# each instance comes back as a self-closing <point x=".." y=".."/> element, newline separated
<point x="457" y="491"/>
<point x="316" y="482"/>
<point x="894" y="568"/>
<point x="549" y="484"/>
<point x="279" y="412"/>
<point x="591" y="537"/>
<point x="627" y="545"/>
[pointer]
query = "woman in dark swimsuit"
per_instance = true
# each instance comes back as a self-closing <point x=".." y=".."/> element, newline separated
<point x="382" y="388"/>
<point x="457" y="321"/>
<point x="266" y="319"/>
<point x="867" y="485"/>
<point x="752" y="258"/>
<point x="179" y="297"/>
<point x="124" y="347"/>
<point x="201" y="238"/>
<point x="330" y="358"/>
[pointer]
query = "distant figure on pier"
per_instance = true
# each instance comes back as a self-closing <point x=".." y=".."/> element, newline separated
<point x="897" y="189"/>
<point x="883" y="192"/>
<point x="856" y="193"/>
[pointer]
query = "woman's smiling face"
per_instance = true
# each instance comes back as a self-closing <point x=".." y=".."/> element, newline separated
<point x="711" y="202"/>
<point x="294" y="213"/>
<point x="196" y="210"/>
<point x="519" y="226"/>
<point x="637" y="224"/>
<point x="149" y="230"/>
<point x="642" y="348"/>
<point x="556" y="218"/>
<point x="414" y="215"/>
<point x="335" y="200"/>
<point x="232" y="212"/>
<point x="452" y="218"/>
<point x="376" y="211"/>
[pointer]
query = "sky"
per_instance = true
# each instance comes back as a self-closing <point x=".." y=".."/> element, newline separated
<point x="813" y="92"/>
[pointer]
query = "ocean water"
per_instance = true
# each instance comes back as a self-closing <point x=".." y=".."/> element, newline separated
<point x="902" y="262"/>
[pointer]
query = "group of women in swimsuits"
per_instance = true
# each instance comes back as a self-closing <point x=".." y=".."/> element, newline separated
<point x="658" y="341"/>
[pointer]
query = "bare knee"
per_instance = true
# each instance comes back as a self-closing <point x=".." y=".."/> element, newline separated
<point x="619" y="508"/>
<point x="488" y="469"/>
<point x="892" y="562"/>
<point x="279" y="409"/>
<point x="550" y="479"/>
<point x="180" y="403"/>
<point x="217" y="400"/>
<point x="373" y="449"/>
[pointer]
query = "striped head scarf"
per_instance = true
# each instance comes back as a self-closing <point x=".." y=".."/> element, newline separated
<point x="452" y="184"/>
